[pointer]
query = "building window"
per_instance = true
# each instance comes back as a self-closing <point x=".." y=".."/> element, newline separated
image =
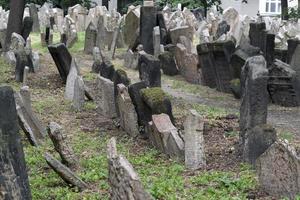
<point x="273" y="6"/>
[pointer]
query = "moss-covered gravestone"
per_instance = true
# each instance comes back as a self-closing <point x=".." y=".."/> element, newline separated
<point x="157" y="101"/>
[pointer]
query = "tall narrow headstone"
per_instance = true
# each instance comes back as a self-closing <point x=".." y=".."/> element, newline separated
<point x="147" y="22"/>
<point x="33" y="10"/>
<point x="156" y="41"/>
<point x="13" y="174"/>
<point x="194" y="141"/>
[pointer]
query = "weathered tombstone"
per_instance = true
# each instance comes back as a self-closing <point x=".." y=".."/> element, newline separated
<point x="33" y="10"/>
<point x="63" y="38"/>
<point x="223" y="28"/>
<point x="128" y="115"/>
<point x="156" y="41"/>
<point x="62" y="59"/>
<point x="149" y="70"/>
<point x="25" y="75"/>
<point x="13" y="174"/>
<point x="79" y="94"/>
<point x="278" y="171"/>
<point x="61" y="145"/>
<point x="254" y="106"/>
<point x="120" y="77"/>
<point x="162" y="27"/>
<point x="131" y="27"/>
<point x="90" y="38"/>
<point x="187" y="64"/>
<point x="194" y="142"/>
<point x="259" y="139"/>
<point x="105" y="97"/>
<point x="70" y="84"/>
<point x="123" y="180"/>
<point x="27" y="27"/>
<point x="165" y="137"/>
<point x="168" y="64"/>
<point x="65" y="173"/>
<point x="186" y="31"/>
<point x="30" y="124"/>
<point x="107" y="69"/>
<point x="147" y="22"/>
<point x="157" y="102"/>
<point x="214" y="59"/>
<point x="283" y="86"/>
<point x="269" y="48"/>
<point x="140" y="107"/>
<point x="292" y="45"/>
<point x="22" y="61"/>
<point x="256" y="35"/>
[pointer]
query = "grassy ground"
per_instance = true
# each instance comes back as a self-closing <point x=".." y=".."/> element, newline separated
<point x="88" y="135"/>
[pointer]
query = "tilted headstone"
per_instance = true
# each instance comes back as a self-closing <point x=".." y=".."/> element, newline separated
<point x="168" y="64"/>
<point x="278" y="171"/>
<point x="61" y="145"/>
<point x="149" y="70"/>
<point x="65" y="173"/>
<point x="120" y="77"/>
<point x="157" y="102"/>
<point x="165" y="137"/>
<point x="30" y="124"/>
<point x="90" y="38"/>
<point x="148" y="21"/>
<point x="72" y="76"/>
<point x="123" y="180"/>
<point x="13" y="174"/>
<point x="33" y="10"/>
<point x="62" y="59"/>
<point x="194" y="141"/>
<point x="283" y="87"/>
<point x="105" y="97"/>
<point x="140" y="107"/>
<point x="254" y="106"/>
<point x="27" y="27"/>
<point x="128" y="115"/>
<point x="292" y="45"/>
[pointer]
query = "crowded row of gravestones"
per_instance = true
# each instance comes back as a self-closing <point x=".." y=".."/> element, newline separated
<point x="255" y="71"/>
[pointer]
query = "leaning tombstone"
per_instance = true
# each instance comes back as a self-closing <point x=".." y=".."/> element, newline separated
<point x="278" y="171"/>
<point x="69" y="91"/>
<point x="33" y="10"/>
<point x="13" y="174"/>
<point x="124" y="181"/>
<point x="62" y="59"/>
<point x="79" y="94"/>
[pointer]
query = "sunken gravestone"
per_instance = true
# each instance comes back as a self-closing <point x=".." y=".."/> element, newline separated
<point x="149" y="70"/>
<point x="62" y="59"/>
<point x="13" y="174"/>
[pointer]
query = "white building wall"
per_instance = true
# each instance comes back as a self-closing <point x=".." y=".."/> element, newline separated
<point x="251" y="8"/>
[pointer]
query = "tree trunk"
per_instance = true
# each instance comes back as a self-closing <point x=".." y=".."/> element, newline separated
<point x="15" y="20"/>
<point x="284" y="10"/>
<point x="204" y="4"/>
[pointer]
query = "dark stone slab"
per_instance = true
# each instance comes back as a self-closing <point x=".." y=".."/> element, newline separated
<point x="62" y="59"/>
<point x="63" y="38"/>
<point x="107" y="69"/>
<point x="157" y="102"/>
<point x="163" y="29"/>
<point x="22" y="61"/>
<point x="120" y="77"/>
<point x="13" y="175"/>
<point x="256" y="35"/>
<point x="27" y="27"/>
<point x="148" y="20"/>
<point x="255" y="97"/>
<point x="214" y="59"/>
<point x="281" y="54"/>
<point x="141" y="109"/>
<point x="282" y="85"/>
<point x="168" y="64"/>
<point x="259" y="139"/>
<point x="149" y="70"/>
